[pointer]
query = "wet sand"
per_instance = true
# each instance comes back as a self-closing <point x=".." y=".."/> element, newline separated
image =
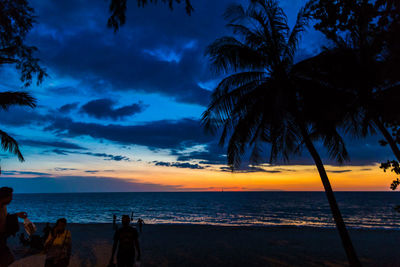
<point x="204" y="245"/>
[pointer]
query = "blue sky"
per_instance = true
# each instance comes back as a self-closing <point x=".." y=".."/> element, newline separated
<point x="127" y="105"/>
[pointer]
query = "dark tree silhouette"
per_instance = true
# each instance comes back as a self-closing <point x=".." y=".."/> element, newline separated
<point x="364" y="59"/>
<point x="264" y="100"/>
<point x="118" y="10"/>
<point x="16" y="20"/>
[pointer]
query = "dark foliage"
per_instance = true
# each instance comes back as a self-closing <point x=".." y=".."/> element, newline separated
<point x="16" y="20"/>
<point x="118" y="10"/>
<point x="363" y="60"/>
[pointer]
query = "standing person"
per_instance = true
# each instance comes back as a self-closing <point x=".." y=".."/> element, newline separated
<point x="132" y="216"/>
<point x="114" y="222"/>
<point x="140" y="223"/>
<point x="8" y="225"/>
<point x="58" y="245"/>
<point x="126" y="239"/>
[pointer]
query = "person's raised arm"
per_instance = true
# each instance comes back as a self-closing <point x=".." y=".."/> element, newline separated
<point x="22" y="215"/>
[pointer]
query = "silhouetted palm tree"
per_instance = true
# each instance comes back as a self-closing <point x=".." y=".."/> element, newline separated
<point x="363" y="61"/>
<point x="8" y="99"/>
<point x="16" y="21"/>
<point x="263" y="101"/>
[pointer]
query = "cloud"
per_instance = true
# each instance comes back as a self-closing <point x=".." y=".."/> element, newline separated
<point x="104" y="108"/>
<point x="366" y="169"/>
<point x="185" y="165"/>
<point x="58" y="144"/>
<point x="338" y="171"/>
<point x="211" y="155"/>
<point x="100" y="155"/>
<point x="68" y="107"/>
<point x="20" y="116"/>
<point x="8" y="173"/>
<point x="248" y="169"/>
<point x="59" y="169"/>
<point x="163" y="134"/>
<point x="67" y="184"/>
<point x="151" y="56"/>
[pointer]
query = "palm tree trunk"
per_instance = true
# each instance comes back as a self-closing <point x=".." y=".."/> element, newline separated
<point x="337" y="216"/>
<point x="389" y="138"/>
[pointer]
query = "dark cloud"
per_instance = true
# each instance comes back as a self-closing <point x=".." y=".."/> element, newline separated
<point x="59" y="144"/>
<point x="100" y="155"/>
<point x="59" y="169"/>
<point x="92" y="171"/>
<point x="68" y="107"/>
<point x="177" y="135"/>
<point x="108" y="156"/>
<point x="163" y="55"/>
<point x="184" y="165"/>
<point x="164" y="134"/>
<point x="205" y="158"/>
<point x="67" y="184"/>
<point x="104" y="108"/>
<point x="248" y="169"/>
<point x="7" y="173"/>
<point x="63" y="90"/>
<point x="20" y="116"/>
<point x="60" y="151"/>
<point x="213" y="154"/>
<point x="338" y="171"/>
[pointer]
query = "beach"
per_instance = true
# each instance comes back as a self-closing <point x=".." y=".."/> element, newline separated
<point x="209" y="245"/>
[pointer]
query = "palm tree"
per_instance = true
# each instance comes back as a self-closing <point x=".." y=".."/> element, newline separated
<point x="262" y="100"/>
<point x="8" y="99"/>
<point x="17" y="19"/>
<point x="362" y="62"/>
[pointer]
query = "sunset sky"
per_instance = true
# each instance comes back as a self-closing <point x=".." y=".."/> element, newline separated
<point x="120" y="111"/>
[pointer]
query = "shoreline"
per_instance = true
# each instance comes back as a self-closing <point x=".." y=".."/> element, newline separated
<point x="282" y="226"/>
<point x="209" y="245"/>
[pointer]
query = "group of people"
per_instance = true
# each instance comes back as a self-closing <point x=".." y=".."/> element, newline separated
<point x="57" y="242"/>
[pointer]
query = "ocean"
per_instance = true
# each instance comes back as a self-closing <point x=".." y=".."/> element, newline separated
<point x="359" y="209"/>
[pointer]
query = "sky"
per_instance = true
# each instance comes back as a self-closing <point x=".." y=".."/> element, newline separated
<point x="121" y="111"/>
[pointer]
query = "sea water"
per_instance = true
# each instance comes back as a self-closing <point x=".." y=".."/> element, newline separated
<point x="359" y="209"/>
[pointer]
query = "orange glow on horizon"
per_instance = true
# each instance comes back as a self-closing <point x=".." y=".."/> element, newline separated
<point x="290" y="178"/>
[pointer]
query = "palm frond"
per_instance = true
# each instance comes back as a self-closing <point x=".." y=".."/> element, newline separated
<point x="9" y="144"/>
<point x="8" y="99"/>
<point x="228" y="54"/>
<point x="303" y="18"/>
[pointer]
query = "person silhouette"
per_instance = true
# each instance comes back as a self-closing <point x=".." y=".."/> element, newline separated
<point x="140" y="223"/>
<point x="126" y="239"/>
<point x="8" y="225"/>
<point x="114" y="222"/>
<point x="58" y="245"/>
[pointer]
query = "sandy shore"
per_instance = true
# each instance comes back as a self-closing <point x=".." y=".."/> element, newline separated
<point x="203" y="245"/>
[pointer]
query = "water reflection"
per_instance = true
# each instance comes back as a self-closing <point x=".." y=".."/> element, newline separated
<point x="361" y="209"/>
